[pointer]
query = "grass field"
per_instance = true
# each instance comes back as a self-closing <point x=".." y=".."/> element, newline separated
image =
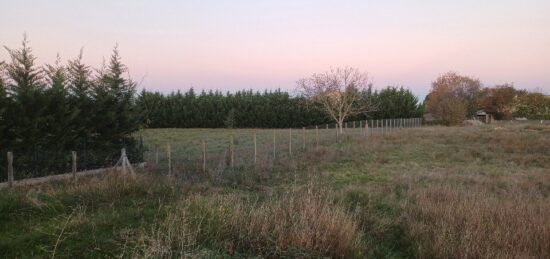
<point x="461" y="192"/>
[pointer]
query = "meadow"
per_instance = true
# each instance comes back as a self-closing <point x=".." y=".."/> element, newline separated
<point x="431" y="192"/>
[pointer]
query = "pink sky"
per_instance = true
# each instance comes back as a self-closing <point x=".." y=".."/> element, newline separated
<point x="229" y="45"/>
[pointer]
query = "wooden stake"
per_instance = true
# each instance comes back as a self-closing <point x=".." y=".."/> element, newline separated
<point x="122" y="160"/>
<point x="274" y="146"/>
<point x="255" y="149"/>
<point x="290" y="142"/>
<point x="73" y="156"/>
<point x="10" y="170"/>
<point x="232" y="151"/>
<point x="203" y="151"/>
<point x="169" y="155"/>
<point x="304" y="138"/>
<point x="157" y="157"/>
<point x="316" y="136"/>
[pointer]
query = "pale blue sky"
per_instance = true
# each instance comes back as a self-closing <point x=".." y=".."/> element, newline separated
<point x="230" y="45"/>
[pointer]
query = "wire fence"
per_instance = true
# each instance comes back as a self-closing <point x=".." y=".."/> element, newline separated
<point x="218" y="151"/>
<point x="211" y="152"/>
<point x="36" y="162"/>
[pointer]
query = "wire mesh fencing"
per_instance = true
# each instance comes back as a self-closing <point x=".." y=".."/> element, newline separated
<point x="211" y="152"/>
<point x="35" y="163"/>
<point x="217" y="151"/>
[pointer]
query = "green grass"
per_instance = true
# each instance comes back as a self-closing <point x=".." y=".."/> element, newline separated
<point x="431" y="192"/>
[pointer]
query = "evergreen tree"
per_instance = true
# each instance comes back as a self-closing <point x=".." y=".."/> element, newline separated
<point x="26" y="88"/>
<point x="58" y="117"/>
<point x="80" y="85"/>
<point x="5" y="139"/>
<point x="396" y="102"/>
<point x="230" y="119"/>
<point x="115" y="115"/>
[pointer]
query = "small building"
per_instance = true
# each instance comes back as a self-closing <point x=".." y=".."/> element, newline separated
<point x="429" y="118"/>
<point x="484" y="116"/>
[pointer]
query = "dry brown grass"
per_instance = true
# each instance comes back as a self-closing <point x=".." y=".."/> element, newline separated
<point x="471" y="192"/>
<point x="295" y="224"/>
<point x="451" y="222"/>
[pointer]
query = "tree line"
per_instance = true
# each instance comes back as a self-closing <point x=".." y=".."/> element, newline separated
<point x="454" y="98"/>
<point x="253" y="109"/>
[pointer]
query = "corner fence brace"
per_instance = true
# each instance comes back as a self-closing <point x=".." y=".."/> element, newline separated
<point x="125" y="163"/>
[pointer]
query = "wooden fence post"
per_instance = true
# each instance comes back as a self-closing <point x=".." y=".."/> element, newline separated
<point x="255" y="149"/>
<point x="353" y="123"/>
<point x="290" y="142"/>
<point x="316" y="136"/>
<point x="203" y="151"/>
<point x="157" y="157"/>
<point x="169" y="155"/>
<point x="274" y="145"/>
<point x="73" y="158"/>
<point x="371" y="126"/>
<point x="232" y="151"/>
<point x="123" y="157"/>
<point x="10" y="170"/>
<point x="327" y="126"/>
<point x="304" y="138"/>
<point x="361" y="125"/>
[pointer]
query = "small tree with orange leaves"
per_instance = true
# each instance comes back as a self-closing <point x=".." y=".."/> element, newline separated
<point x="453" y="98"/>
<point x="499" y="100"/>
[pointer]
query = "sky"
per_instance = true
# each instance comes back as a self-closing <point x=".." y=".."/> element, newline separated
<point x="262" y="44"/>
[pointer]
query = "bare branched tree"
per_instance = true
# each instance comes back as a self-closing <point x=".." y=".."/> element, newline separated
<point x="339" y="91"/>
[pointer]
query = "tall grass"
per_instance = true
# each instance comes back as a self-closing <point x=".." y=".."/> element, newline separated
<point x="294" y="224"/>
<point x="450" y="222"/>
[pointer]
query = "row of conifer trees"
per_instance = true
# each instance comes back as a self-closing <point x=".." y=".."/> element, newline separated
<point x="270" y="109"/>
<point x="48" y="111"/>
